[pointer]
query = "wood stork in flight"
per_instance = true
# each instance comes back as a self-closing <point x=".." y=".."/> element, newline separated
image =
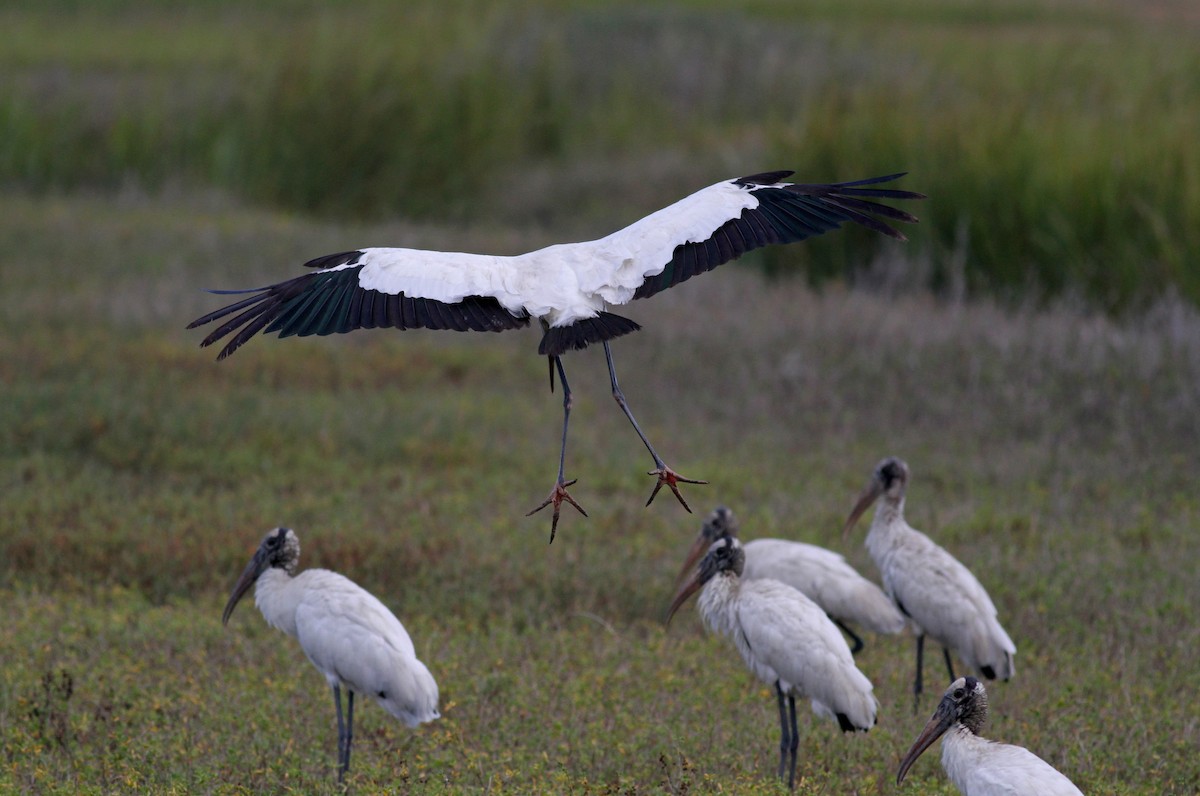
<point x="822" y="575"/>
<point x="567" y="287"/>
<point x="348" y="634"/>
<point x="977" y="766"/>
<point x="786" y="640"/>
<point x="938" y="594"/>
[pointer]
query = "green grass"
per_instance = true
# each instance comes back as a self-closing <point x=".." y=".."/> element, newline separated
<point x="1055" y="138"/>
<point x="1052" y="450"/>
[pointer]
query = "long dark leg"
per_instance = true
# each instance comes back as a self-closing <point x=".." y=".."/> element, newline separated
<point x="567" y="401"/>
<point x="858" y="642"/>
<point x="349" y="728"/>
<point x="337" y="704"/>
<point x="665" y="474"/>
<point x="559" y="493"/>
<point x="949" y="665"/>
<point x="784" y="743"/>
<point x="795" y="744"/>
<point x="917" y="681"/>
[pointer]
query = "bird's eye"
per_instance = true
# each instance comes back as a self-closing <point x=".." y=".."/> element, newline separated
<point x="959" y="693"/>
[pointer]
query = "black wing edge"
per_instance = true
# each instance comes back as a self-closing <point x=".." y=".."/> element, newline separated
<point x="786" y="213"/>
<point x="766" y="178"/>
<point x="332" y="302"/>
<point x="559" y="339"/>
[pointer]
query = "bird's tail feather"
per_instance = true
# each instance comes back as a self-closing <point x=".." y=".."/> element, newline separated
<point x="605" y="326"/>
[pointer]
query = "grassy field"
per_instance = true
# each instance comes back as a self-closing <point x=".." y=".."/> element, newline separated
<point x="1053" y="447"/>
<point x="1053" y="451"/>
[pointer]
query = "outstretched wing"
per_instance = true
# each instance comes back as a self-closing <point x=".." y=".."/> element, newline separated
<point x="358" y="290"/>
<point x="410" y="289"/>
<point x="762" y="209"/>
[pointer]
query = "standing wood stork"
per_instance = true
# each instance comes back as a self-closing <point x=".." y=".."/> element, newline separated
<point x="567" y="287"/>
<point x="938" y="594"/>
<point x="820" y="574"/>
<point x="977" y="766"/>
<point x="348" y="634"/>
<point x="786" y="640"/>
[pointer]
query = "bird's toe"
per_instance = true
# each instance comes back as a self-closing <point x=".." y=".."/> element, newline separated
<point x="556" y="497"/>
<point x="667" y="476"/>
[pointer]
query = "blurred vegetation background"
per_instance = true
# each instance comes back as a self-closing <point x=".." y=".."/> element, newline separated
<point x="1056" y="139"/>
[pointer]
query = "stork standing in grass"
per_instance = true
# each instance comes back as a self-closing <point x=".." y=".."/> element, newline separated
<point x="348" y="634"/>
<point x="786" y="640"/>
<point x="822" y="575"/>
<point x="977" y="766"/>
<point x="938" y="594"/>
<point x="567" y="287"/>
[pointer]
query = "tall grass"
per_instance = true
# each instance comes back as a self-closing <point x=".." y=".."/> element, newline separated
<point x="1056" y="142"/>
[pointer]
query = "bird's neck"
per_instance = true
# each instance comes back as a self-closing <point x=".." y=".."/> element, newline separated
<point x="962" y="752"/>
<point x="888" y="525"/>
<point x="718" y="603"/>
<point x="277" y="594"/>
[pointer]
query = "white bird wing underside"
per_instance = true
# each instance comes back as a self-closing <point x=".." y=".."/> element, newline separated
<point x="826" y="578"/>
<point x="945" y="600"/>
<point x="449" y="277"/>
<point x="354" y="639"/>
<point x="563" y="282"/>
<point x="783" y="632"/>
<point x="979" y="767"/>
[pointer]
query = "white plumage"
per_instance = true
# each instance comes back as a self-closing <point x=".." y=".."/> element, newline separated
<point x="977" y="766"/>
<point x="348" y="634"/>
<point x="821" y="574"/>
<point x="827" y="579"/>
<point x="786" y="640"/>
<point x="563" y="283"/>
<point x="940" y="595"/>
<point x="567" y="287"/>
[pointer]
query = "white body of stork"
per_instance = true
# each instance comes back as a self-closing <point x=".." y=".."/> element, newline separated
<point x="347" y="633"/>
<point x="939" y="595"/>
<point x="977" y="766"/>
<point x="821" y="574"/>
<point x="786" y="640"/>
<point x="567" y="287"/>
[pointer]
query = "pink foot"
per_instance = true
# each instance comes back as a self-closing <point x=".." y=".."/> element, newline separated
<point x="671" y="478"/>
<point x="557" y="495"/>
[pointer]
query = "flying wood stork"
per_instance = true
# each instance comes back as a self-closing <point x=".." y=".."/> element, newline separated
<point x="348" y="634"/>
<point x="977" y="766"/>
<point x="938" y="594"/>
<point x="822" y="575"/>
<point x="786" y="640"/>
<point x="567" y="287"/>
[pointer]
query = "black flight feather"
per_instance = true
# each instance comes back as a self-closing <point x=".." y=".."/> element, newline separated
<point x="333" y="302"/>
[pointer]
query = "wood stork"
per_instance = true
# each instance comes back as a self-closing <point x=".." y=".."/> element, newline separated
<point x="348" y="634"/>
<point x="822" y="575"/>
<point x="937" y="593"/>
<point x="977" y="766"/>
<point x="567" y="287"/>
<point x="786" y="640"/>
